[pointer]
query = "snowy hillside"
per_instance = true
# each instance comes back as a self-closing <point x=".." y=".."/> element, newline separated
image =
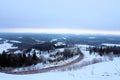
<point x="100" y="71"/>
<point x="5" y="46"/>
<point x="104" y="70"/>
<point x="91" y="67"/>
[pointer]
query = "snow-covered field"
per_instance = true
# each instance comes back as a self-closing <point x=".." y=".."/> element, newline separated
<point x="53" y="40"/>
<point x="91" y="37"/>
<point x="105" y="70"/>
<point x="0" y="38"/>
<point x="6" y="46"/>
<point x="14" y="41"/>
<point x="20" y="37"/>
<point x="109" y="44"/>
<point x="100" y="71"/>
<point x="88" y="59"/>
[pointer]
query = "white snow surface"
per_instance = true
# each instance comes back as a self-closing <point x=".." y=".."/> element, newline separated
<point x="14" y="41"/>
<point x="0" y="38"/>
<point x="91" y="37"/>
<point x="60" y="43"/>
<point x="20" y="37"/>
<point x="53" y="40"/>
<point x="109" y="70"/>
<point x="18" y="51"/>
<point x="100" y="71"/>
<point x="6" y="46"/>
<point x="39" y="41"/>
<point x="109" y="44"/>
<point x="82" y="45"/>
<point x="64" y="38"/>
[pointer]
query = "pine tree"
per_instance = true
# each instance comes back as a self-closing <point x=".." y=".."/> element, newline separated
<point x="4" y="59"/>
<point x="34" y="56"/>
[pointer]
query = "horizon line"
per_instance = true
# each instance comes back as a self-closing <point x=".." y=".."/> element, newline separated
<point x="58" y="31"/>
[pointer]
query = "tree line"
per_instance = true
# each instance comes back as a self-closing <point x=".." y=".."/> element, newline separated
<point x="18" y="60"/>
<point x="105" y="50"/>
<point x="28" y="58"/>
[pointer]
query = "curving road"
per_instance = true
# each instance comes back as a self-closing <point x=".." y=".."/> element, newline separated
<point x="81" y="56"/>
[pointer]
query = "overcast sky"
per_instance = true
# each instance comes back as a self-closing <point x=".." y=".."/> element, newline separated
<point x="60" y="14"/>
